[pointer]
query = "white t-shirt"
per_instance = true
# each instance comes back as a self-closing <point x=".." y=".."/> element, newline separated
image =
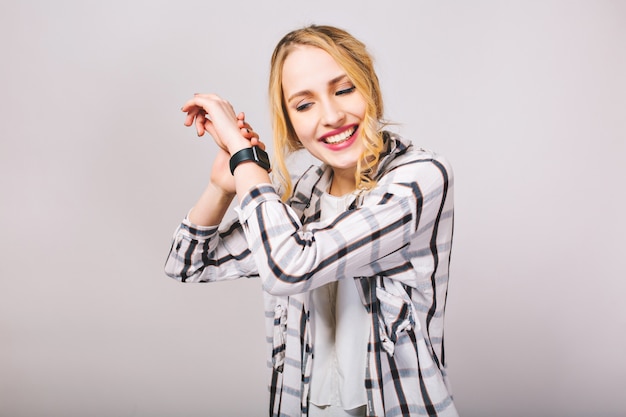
<point x="341" y="333"/>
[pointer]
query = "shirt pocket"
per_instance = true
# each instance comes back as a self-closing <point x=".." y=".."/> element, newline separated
<point x="394" y="317"/>
<point x="280" y="333"/>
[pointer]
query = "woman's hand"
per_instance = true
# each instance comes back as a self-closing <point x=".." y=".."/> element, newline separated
<point x="221" y="178"/>
<point x="210" y="113"/>
<point x="247" y="131"/>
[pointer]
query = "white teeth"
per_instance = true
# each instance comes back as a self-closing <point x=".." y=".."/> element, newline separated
<point x="341" y="137"/>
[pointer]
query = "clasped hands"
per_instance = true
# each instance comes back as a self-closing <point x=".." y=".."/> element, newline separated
<point x="213" y="115"/>
<point x="216" y="116"/>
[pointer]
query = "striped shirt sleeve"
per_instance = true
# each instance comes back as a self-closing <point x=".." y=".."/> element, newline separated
<point x="209" y="253"/>
<point x="372" y="239"/>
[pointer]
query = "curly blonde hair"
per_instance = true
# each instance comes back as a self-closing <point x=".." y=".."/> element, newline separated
<point x="352" y="55"/>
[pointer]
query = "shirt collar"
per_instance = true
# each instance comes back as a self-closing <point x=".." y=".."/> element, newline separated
<point x="316" y="180"/>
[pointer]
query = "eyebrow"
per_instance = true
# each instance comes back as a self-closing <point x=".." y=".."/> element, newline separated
<point x="334" y="81"/>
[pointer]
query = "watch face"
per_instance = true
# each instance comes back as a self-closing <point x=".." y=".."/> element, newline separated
<point x="262" y="157"/>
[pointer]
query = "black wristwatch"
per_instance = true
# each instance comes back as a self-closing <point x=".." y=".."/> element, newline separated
<point x="254" y="154"/>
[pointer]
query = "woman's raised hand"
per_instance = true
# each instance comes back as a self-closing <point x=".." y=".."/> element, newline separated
<point x="220" y="173"/>
<point x="216" y="116"/>
<point x="247" y="131"/>
<point x="209" y="113"/>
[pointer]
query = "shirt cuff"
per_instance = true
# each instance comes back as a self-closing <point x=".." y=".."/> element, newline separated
<point x="195" y="231"/>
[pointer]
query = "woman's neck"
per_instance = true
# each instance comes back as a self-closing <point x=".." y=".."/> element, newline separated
<point x="342" y="183"/>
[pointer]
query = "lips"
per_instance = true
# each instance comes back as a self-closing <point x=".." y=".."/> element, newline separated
<point x="340" y="137"/>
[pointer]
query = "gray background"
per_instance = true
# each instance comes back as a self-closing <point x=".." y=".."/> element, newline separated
<point x="527" y="99"/>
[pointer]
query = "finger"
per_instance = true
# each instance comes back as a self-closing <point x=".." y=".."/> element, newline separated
<point x="218" y="108"/>
<point x="248" y="134"/>
<point x="241" y="116"/>
<point x="191" y="104"/>
<point x="191" y="114"/>
<point x="244" y="124"/>
<point x="209" y="128"/>
<point x="256" y="142"/>
<point x="198" y="102"/>
<point x="200" y="121"/>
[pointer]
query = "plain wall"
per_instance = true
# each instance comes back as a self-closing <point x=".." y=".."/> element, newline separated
<point x="527" y="99"/>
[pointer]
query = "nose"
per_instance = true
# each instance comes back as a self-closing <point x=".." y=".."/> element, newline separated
<point x="332" y="113"/>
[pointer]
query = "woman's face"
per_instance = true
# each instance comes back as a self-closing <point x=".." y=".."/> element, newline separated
<point x="324" y="107"/>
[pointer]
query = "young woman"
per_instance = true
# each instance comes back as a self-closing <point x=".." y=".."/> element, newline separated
<point x="353" y="256"/>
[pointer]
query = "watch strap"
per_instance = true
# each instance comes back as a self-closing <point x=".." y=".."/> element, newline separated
<point x="254" y="154"/>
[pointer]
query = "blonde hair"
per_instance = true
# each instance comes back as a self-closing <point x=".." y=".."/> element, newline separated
<point x="349" y="53"/>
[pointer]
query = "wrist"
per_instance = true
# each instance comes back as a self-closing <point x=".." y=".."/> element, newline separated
<point x="235" y="146"/>
<point x="251" y="154"/>
<point x="220" y="194"/>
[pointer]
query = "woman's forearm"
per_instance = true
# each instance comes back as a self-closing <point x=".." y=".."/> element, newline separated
<point x="211" y="207"/>
<point x="248" y="175"/>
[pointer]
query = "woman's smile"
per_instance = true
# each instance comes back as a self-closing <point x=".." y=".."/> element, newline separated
<point x="342" y="136"/>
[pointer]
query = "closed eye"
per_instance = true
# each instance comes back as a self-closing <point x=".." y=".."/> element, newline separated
<point x="345" y="91"/>
<point x="304" y="106"/>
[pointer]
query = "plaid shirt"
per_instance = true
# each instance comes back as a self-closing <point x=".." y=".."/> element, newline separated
<point x="394" y="242"/>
